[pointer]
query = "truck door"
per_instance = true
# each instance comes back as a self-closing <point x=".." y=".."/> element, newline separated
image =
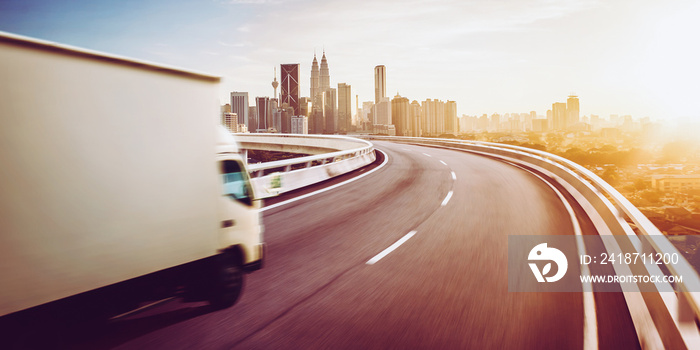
<point x="239" y="219"/>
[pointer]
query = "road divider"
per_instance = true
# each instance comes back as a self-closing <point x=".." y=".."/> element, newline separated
<point x="447" y="199"/>
<point x="391" y="248"/>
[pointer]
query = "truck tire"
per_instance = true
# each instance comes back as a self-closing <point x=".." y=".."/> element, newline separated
<point x="227" y="282"/>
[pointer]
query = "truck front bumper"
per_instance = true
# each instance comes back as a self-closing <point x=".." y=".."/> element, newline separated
<point x="257" y="264"/>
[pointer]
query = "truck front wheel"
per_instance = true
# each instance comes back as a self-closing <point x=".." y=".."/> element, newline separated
<point x="227" y="282"/>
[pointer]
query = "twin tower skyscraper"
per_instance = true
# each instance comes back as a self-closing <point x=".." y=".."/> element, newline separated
<point x="324" y="99"/>
<point x="320" y="78"/>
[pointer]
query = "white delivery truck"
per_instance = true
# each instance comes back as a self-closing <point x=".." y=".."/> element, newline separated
<point x="117" y="183"/>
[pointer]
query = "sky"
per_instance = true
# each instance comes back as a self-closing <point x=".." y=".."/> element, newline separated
<point x="630" y="57"/>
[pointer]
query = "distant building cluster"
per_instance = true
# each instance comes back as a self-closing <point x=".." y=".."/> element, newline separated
<point x="562" y="117"/>
<point x="329" y="110"/>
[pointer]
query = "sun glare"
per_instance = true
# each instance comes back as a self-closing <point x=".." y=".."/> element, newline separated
<point x="669" y="69"/>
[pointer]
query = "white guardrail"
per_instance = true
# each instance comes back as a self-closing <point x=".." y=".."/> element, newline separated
<point x="271" y="178"/>
<point x="662" y="318"/>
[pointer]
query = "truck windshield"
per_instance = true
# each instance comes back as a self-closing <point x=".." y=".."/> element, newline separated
<point x="235" y="182"/>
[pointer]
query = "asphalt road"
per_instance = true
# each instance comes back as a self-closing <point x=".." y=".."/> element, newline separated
<point x="445" y="287"/>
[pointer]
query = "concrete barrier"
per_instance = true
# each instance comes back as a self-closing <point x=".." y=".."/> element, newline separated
<point x="337" y="155"/>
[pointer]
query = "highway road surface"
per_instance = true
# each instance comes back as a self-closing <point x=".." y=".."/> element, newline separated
<point x="412" y="255"/>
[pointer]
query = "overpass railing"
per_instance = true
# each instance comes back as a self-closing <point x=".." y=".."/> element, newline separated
<point x="664" y="318"/>
<point x="338" y="155"/>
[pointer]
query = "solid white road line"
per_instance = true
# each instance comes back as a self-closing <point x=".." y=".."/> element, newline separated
<point x="391" y="248"/>
<point x="386" y="159"/>
<point x="427" y="154"/>
<point x="454" y="176"/>
<point x="447" y="199"/>
<point x="590" y="325"/>
<point x="443" y="163"/>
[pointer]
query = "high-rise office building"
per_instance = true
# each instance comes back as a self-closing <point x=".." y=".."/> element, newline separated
<point x="451" y="123"/>
<point x="252" y="119"/>
<point x="427" y="116"/>
<point x="300" y="124"/>
<point x="317" y="121"/>
<point x="305" y="106"/>
<point x="331" y="100"/>
<point x="433" y="117"/>
<point x="414" y="115"/>
<point x="325" y="75"/>
<point x="324" y="99"/>
<point x="382" y="112"/>
<point x="315" y="81"/>
<point x="230" y="121"/>
<point x="559" y="116"/>
<point x="344" y="108"/>
<point x="290" y="86"/>
<point x="239" y="105"/>
<point x="399" y="115"/>
<point x="379" y="83"/>
<point x="495" y="122"/>
<point x="284" y="121"/>
<point x="356" y="117"/>
<point x="572" y="110"/>
<point x="366" y="115"/>
<point x="264" y="112"/>
<point x="439" y="117"/>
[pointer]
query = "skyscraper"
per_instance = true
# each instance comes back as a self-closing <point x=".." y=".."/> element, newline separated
<point x="305" y="106"/>
<point x="379" y="83"/>
<point x="399" y="115"/>
<point x="317" y="121"/>
<point x="331" y="97"/>
<point x="230" y="121"/>
<point x="290" y="86"/>
<point x="427" y="116"/>
<point x="331" y="100"/>
<point x="451" y="124"/>
<point x="367" y="116"/>
<point x="315" y="81"/>
<point x="572" y="110"/>
<point x="262" y="105"/>
<point x="559" y="116"/>
<point x="252" y="119"/>
<point x="325" y="76"/>
<point x="433" y="119"/>
<point x="239" y="105"/>
<point x="414" y="117"/>
<point x="382" y="112"/>
<point x="300" y="124"/>
<point x="344" y="108"/>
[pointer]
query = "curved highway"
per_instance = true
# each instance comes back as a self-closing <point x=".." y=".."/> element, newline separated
<point x="413" y="255"/>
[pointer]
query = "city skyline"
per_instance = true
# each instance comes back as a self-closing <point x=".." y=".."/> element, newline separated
<point x="624" y="57"/>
